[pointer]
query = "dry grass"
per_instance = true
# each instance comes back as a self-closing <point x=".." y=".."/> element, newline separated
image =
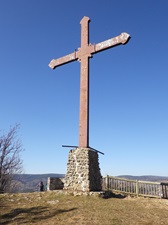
<point x="54" y="208"/>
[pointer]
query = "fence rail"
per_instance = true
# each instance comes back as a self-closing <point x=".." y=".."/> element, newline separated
<point x="135" y="187"/>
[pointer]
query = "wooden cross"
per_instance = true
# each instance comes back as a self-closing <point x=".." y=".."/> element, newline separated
<point x="82" y="55"/>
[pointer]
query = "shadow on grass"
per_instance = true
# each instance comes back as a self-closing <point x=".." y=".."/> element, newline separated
<point x="110" y="194"/>
<point x="34" y="214"/>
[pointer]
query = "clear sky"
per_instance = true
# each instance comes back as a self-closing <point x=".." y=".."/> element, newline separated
<point x="128" y="83"/>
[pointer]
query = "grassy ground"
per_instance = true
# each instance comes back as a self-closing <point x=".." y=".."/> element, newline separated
<point x="54" y="208"/>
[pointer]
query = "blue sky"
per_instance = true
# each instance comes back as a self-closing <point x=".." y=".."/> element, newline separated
<point x="128" y="83"/>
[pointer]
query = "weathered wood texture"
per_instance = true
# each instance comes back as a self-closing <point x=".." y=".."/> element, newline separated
<point x="135" y="187"/>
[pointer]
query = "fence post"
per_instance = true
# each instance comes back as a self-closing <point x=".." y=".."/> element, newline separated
<point x="107" y="182"/>
<point x="137" y="188"/>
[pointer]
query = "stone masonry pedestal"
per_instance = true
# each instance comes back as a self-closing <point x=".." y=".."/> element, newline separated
<point x="83" y="172"/>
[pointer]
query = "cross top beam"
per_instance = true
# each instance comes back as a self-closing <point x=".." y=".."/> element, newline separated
<point x="84" y="52"/>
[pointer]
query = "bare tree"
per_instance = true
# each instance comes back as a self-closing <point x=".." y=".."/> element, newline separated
<point x="10" y="161"/>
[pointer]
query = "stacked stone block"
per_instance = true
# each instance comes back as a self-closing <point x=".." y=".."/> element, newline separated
<point x="83" y="172"/>
<point x="54" y="183"/>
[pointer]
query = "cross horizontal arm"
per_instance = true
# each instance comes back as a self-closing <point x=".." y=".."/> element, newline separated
<point x="66" y="59"/>
<point x="121" y="39"/>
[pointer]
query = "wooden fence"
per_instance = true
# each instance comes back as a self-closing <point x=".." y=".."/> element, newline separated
<point x="135" y="187"/>
<point x="164" y="188"/>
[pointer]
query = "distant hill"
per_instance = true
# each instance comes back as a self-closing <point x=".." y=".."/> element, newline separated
<point x="29" y="182"/>
<point x="145" y="178"/>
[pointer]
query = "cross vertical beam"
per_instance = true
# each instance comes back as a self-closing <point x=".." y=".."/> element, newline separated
<point x="84" y="85"/>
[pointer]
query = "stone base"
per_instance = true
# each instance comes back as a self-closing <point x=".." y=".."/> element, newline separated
<point x="83" y="172"/>
<point x="54" y="183"/>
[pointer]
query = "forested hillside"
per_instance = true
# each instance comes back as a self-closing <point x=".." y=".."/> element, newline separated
<point x="29" y="182"/>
